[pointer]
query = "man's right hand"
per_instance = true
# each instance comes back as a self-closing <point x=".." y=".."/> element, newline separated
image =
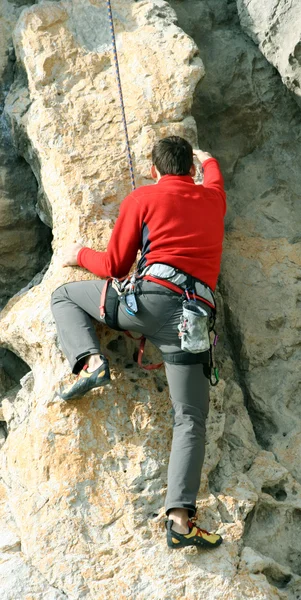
<point x="201" y="156"/>
<point x="70" y="254"/>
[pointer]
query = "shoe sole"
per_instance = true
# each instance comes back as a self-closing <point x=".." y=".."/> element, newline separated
<point x="80" y="393"/>
<point x="201" y="544"/>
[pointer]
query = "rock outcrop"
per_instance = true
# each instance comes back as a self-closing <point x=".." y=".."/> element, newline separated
<point x="83" y="483"/>
<point x="252" y="123"/>
<point x="24" y="239"/>
<point x="276" y="26"/>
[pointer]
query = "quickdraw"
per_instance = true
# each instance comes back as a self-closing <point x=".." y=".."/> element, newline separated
<point x="212" y="365"/>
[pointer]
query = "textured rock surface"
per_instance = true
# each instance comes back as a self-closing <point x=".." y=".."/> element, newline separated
<point x="250" y="121"/>
<point x="18" y="578"/>
<point x="276" y="26"/>
<point x="24" y="240"/>
<point x="85" y="482"/>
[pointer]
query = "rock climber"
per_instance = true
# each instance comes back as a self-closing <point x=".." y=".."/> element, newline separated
<point x="178" y="225"/>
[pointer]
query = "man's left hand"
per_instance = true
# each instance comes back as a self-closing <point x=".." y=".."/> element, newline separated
<point x="70" y="255"/>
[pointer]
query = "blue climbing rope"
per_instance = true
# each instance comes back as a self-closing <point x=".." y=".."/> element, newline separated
<point x="128" y="148"/>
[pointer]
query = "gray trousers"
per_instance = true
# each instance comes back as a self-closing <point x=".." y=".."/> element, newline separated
<point x="157" y="318"/>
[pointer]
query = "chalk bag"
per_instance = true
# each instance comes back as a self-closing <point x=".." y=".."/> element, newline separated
<point x="193" y="328"/>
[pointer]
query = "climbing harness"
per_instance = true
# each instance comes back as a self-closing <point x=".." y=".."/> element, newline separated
<point x="129" y="155"/>
<point x="142" y="341"/>
<point x="117" y="291"/>
<point x="176" y="280"/>
<point x="176" y="288"/>
<point x="123" y="291"/>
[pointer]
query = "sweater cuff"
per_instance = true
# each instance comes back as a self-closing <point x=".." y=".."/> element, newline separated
<point x="78" y="258"/>
<point x="208" y="159"/>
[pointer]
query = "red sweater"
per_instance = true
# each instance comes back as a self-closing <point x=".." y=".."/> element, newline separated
<point x="175" y="222"/>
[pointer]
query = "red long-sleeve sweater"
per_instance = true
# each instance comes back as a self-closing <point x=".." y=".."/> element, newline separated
<point x="175" y="222"/>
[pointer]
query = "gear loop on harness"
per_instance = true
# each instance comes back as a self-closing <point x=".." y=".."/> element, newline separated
<point x="128" y="148"/>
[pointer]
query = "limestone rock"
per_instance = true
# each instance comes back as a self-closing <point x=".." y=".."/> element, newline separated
<point x="18" y="579"/>
<point x="249" y="120"/>
<point x="74" y="102"/>
<point x="5" y="381"/>
<point x="277" y="575"/>
<point x="24" y="240"/>
<point x="3" y="435"/>
<point x="276" y="27"/>
<point x="86" y="481"/>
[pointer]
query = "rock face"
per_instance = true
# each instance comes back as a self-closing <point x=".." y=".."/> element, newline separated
<point x="276" y="26"/>
<point x="24" y="240"/>
<point x="83" y="483"/>
<point x="251" y="122"/>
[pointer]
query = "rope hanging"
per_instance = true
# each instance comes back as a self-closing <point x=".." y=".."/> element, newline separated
<point x="121" y="95"/>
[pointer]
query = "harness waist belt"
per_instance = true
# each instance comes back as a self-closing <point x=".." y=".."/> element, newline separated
<point x="180" y="279"/>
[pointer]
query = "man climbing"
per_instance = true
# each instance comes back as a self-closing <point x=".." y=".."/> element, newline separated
<point x="179" y="227"/>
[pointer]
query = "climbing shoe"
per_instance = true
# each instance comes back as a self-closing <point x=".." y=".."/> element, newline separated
<point x="86" y="381"/>
<point x="195" y="537"/>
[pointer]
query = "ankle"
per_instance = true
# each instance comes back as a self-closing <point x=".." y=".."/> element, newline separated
<point x="180" y="519"/>
<point x="93" y="362"/>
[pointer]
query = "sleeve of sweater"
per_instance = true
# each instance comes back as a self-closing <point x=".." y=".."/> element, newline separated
<point x="213" y="179"/>
<point x="123" y="246"/>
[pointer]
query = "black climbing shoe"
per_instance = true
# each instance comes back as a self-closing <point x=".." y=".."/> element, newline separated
<point x="195" y="537"/>
<point x="86" y="381"/>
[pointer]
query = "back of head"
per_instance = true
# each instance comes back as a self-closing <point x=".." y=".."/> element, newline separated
<point x="172" y="156"/>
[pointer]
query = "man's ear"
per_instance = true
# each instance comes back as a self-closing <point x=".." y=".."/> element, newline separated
<point x="154" y="173"/>
<point x="192" y="171"/>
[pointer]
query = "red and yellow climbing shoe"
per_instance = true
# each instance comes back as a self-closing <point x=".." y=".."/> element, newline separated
<point x="86" y="381"/>
<point x="195" y="537"/>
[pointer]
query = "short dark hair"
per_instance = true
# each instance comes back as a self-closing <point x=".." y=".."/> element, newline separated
<point x="172" y="156"/>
